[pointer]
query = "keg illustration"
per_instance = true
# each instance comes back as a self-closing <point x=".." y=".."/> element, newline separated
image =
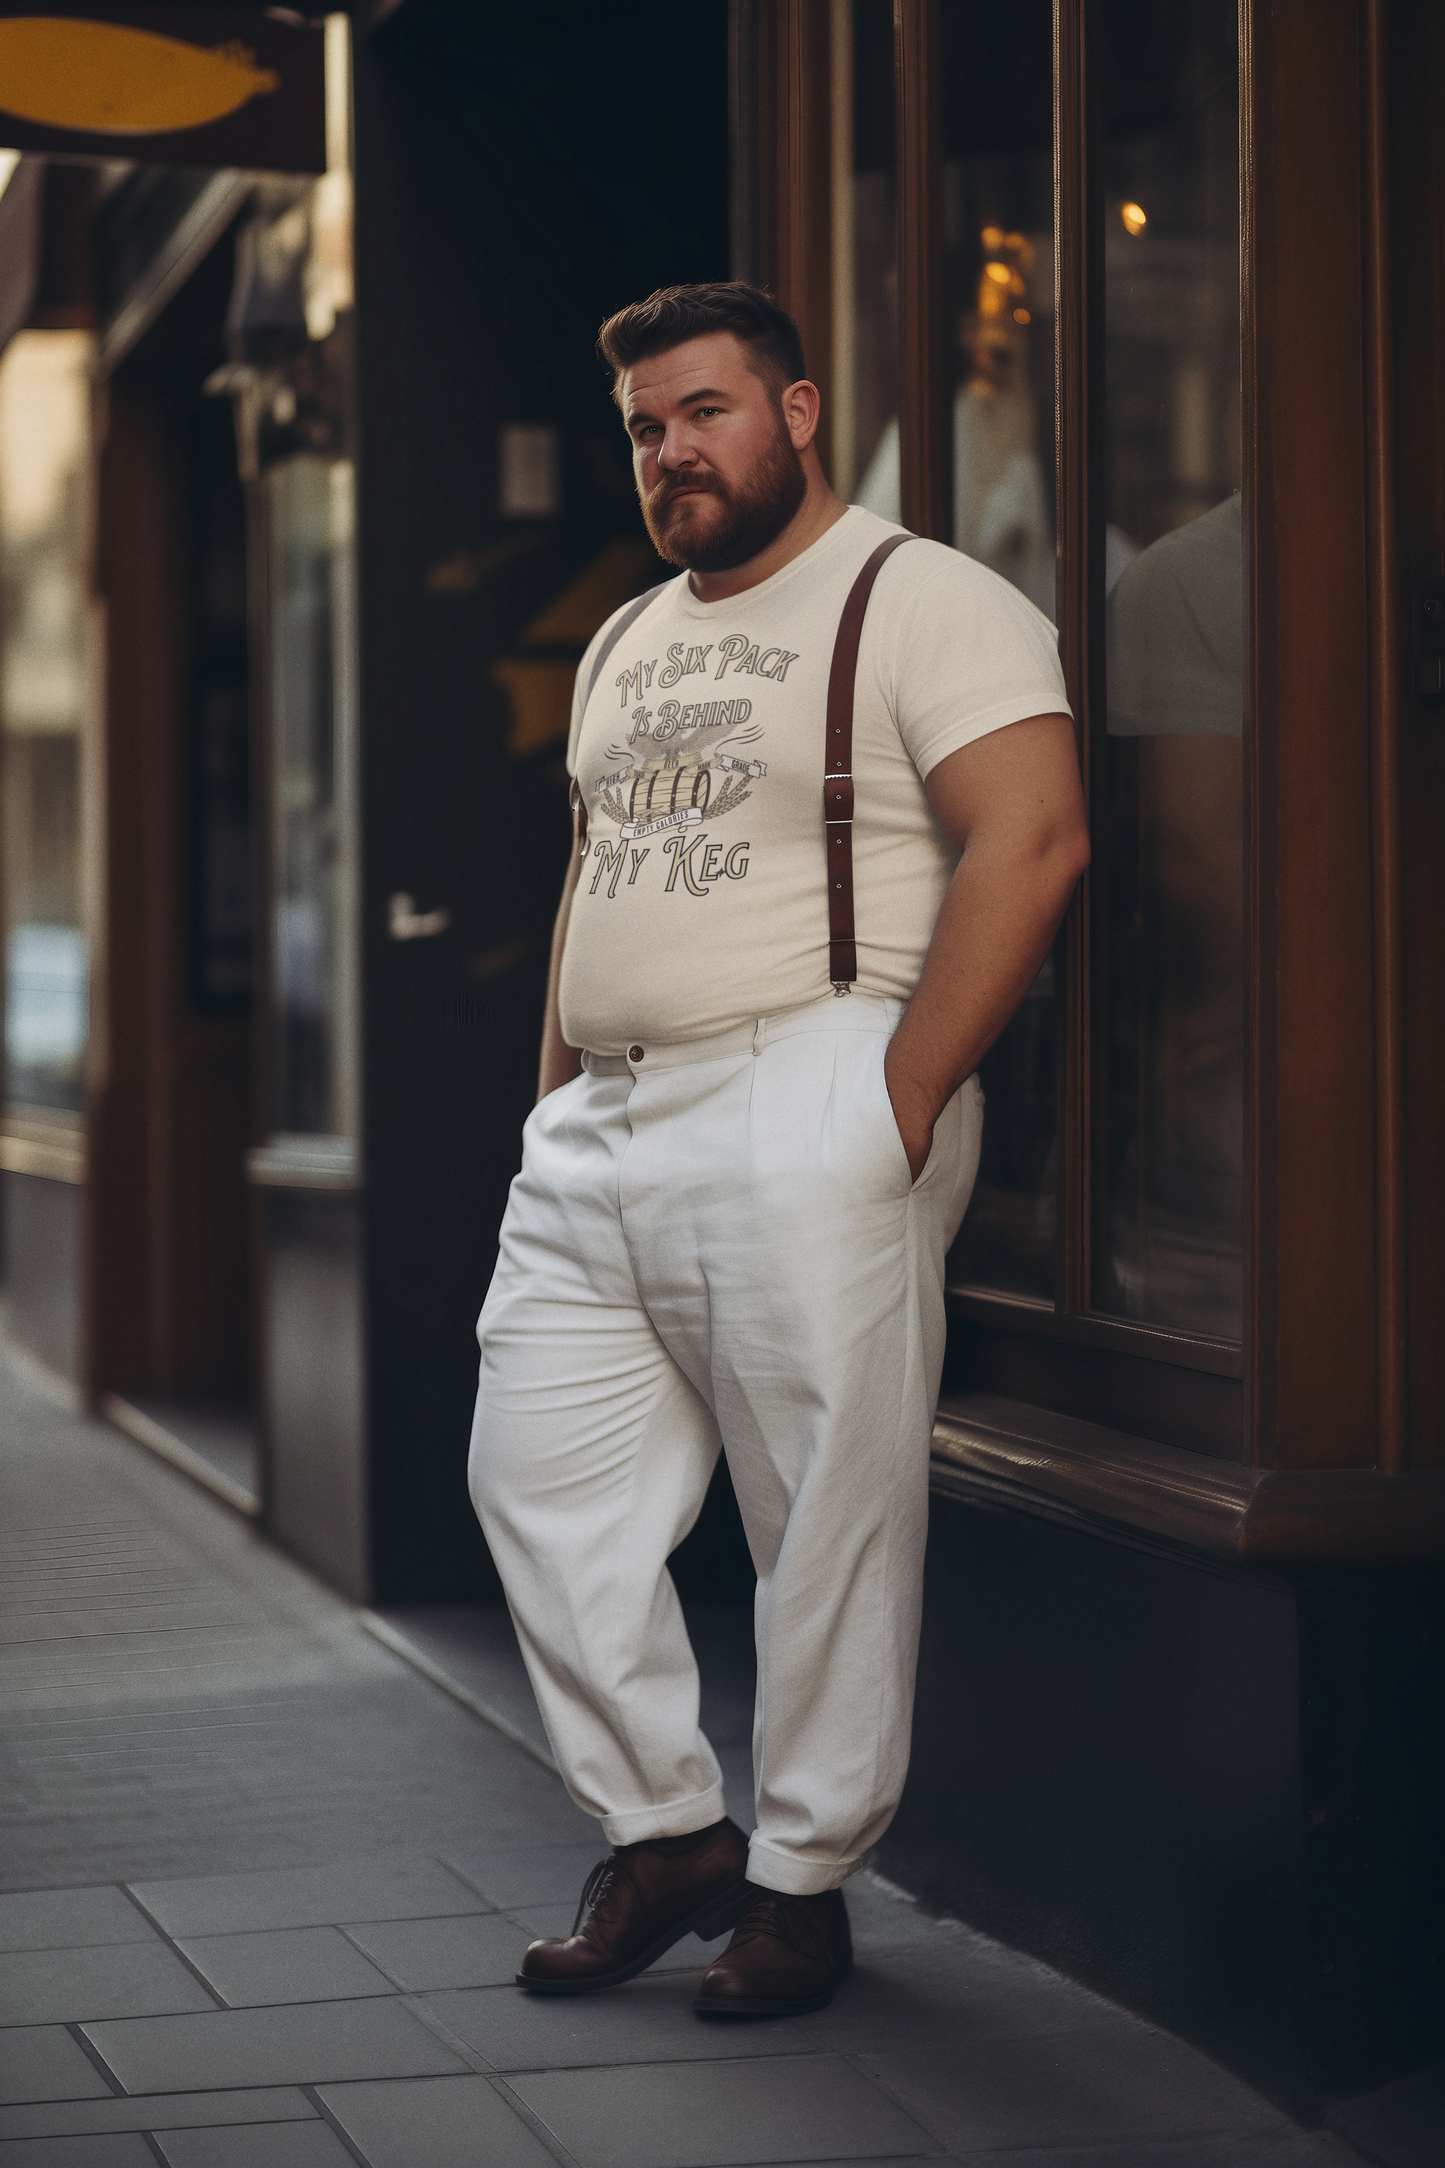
<point x="658" y="790"/>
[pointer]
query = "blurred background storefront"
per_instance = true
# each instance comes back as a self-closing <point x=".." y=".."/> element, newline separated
<point x="311" y="495"/>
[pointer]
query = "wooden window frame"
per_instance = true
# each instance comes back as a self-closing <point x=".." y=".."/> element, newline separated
<point x="1321" y="1376"/>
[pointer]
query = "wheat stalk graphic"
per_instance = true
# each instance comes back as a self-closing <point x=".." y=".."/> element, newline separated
<point x="730" y="796"/>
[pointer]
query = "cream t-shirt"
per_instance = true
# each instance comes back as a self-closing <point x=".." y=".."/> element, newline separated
<point x="703" y="899"/>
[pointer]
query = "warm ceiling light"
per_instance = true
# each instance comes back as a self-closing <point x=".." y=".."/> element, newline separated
<point x="999" y="272"/>
<point x="992" y="237"/>
<point x="1022" y="316"/>
<point x="1134" y="218"/>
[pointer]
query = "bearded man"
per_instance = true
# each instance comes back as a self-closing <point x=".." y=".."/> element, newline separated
<point x="828" y="817"/>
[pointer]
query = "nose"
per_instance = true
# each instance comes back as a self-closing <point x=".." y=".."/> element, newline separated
<point x="676" y="451"/>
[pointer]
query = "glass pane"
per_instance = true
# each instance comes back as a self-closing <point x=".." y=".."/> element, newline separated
<point x="865" y="262"/>
<point x="309" y="520"/>
<point x="221" y="914"/>
<point x="998" y="285"/>
<point x="44" y="689"/>
<point x="1169" y="1233"/>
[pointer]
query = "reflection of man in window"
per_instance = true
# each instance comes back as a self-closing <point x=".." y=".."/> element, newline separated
<point x="1001" y="513"/>
<point x="1000" y="506"/>
<point x="1175" y="672"/>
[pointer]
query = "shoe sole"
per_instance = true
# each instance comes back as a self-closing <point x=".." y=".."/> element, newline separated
<point x="715" y="1918"/>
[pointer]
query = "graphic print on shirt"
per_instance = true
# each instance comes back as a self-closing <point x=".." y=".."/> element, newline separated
<point x="682" y="762"/>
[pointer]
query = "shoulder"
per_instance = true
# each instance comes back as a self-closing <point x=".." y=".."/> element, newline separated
<point x="929" y="595"/>
<point x="1204" y="549"/>
<point x="1185" y="592"/>
<point x="930" y="575"/>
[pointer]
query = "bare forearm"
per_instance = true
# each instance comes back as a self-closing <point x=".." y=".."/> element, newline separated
<point x="996" y="926"/>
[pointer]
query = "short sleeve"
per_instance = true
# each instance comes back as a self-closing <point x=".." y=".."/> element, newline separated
<point x="970" y="655"/>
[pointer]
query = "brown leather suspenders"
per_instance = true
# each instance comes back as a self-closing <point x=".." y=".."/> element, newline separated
<point x="838" y="770"/>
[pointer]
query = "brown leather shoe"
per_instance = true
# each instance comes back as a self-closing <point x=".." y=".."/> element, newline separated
<point x="787" y="1956"/>
<point x="638" y="1902"/>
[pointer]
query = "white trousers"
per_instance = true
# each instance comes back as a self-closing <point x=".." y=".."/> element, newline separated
<point x="720" y="1245"/>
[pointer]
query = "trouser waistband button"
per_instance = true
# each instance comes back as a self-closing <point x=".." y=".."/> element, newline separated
<point x="635" y="1053"/>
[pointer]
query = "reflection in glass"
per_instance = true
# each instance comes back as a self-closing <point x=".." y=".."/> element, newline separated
<point x="309" y="521"/>
<point x="865" y="263"/>
<point x="1169" y="1233"/>
<point x="221" y="843"/>
<point x="44" y="611"/>
<point x="998" y="285"/>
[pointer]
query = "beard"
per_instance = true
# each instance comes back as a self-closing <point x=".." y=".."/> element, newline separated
<point x="739" y="524"/>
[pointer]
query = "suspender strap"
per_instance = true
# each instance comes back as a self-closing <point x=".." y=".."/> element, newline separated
<point x="838" y="770"/>
<point x="628" y="618"/>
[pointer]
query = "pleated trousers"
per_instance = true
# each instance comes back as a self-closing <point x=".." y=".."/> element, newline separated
<point x="710" y="1247"/>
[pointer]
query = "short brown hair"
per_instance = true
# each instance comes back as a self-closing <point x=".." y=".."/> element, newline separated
<point x="676" y="313"/>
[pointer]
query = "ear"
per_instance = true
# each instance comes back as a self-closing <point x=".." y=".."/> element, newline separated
<point x="802" y="403"/>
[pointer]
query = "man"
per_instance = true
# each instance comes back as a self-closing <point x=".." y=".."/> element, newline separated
<point x="754" y="1141"/>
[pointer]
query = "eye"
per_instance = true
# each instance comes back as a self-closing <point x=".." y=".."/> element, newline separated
<point x="708" y="410"/>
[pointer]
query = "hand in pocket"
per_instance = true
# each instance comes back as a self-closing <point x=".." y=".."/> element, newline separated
<point x="915" y="1134"/>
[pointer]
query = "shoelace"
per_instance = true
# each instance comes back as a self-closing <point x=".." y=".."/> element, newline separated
<point x="775" y="1916"/>
<point x="595" y="1891"/>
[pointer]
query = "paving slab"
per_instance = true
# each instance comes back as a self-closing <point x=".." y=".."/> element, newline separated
<point x="932" y="1994"/>
<point x="394" y="1886"/>
<point x="269" y="2145"/>
<point x="156" y="2111"/>
<point x="444" y="2122"/>
<point x="132" y="1979"/>
<point x="481" y="1951"/>
<point x="110" y="2152"/>
<point x="263" y="1729"/>
<point x="298" y="2044"/>
<point x="705" y="2115"/>
<point x="286" y="1964"/>
<point x="1288" y="2149"/>
<point x="1093" y="2085"/>
<point x="536" y="1874"/>
<point x="45" y="2062"/>
<point x="651" y="2019"/>
<point x="59" y="1919"/>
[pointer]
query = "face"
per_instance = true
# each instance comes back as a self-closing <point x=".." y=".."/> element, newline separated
<point x="719" y="472"/>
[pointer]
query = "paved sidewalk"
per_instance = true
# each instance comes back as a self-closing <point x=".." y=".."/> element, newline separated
<point x="269" y="1887"/>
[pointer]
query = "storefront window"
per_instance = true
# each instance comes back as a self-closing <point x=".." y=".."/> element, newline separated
<point x="998" y="322"/>
<point x="865" y="257"/>
<point x="1168" y="1236"/>
<point x="44" y="695"/>
<point x="309" y="525"/>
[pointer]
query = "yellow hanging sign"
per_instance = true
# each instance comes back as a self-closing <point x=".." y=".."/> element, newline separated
<point x="64" y="72"/>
